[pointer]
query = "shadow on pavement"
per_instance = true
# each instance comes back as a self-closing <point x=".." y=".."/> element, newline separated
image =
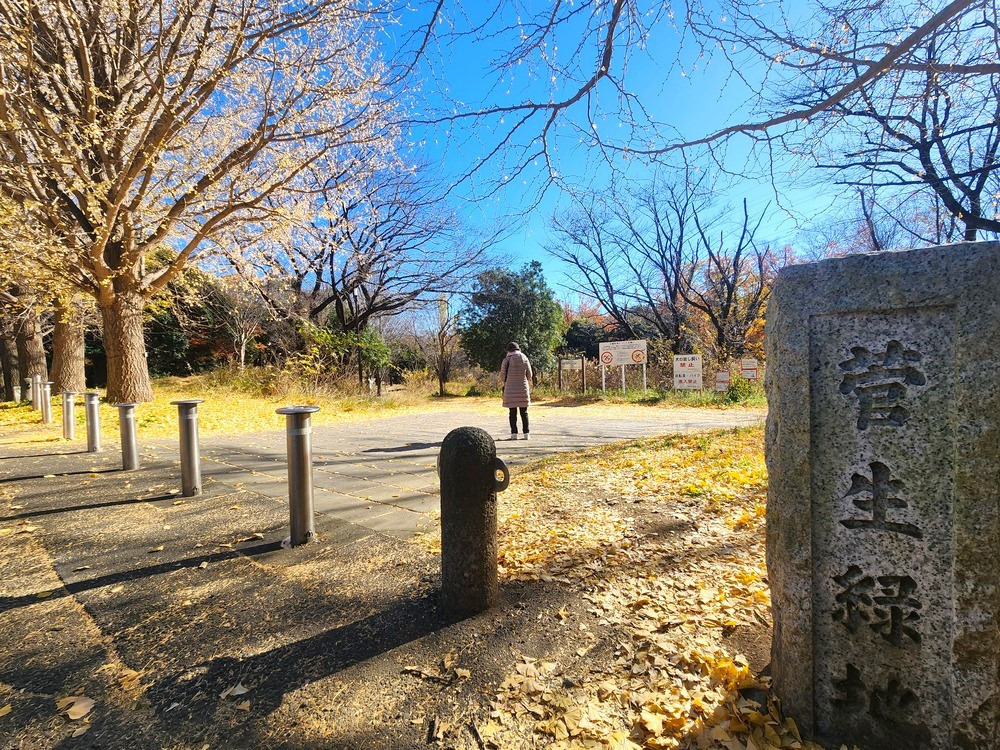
<point x="68" y="589"/>
<point x="287" y="668"/>
<point x="404" y="448"/>
<point x="43" y="455"/>
<point x="89" y="506"/>
<point x="56" y="476"/>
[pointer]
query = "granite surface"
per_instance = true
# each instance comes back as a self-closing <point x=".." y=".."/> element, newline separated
<point x="883" y="454"/>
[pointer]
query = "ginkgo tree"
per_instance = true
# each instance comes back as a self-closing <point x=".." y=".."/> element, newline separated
<point x="128" y="128"/>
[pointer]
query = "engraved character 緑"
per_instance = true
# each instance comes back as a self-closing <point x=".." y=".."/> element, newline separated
<point x="896" y="609"/>
<point x="889" y="609"/>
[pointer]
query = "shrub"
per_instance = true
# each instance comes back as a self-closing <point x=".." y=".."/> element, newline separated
<point x="743" y="391"/>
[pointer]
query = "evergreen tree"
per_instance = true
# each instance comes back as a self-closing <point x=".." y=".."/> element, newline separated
<point x="507" y="306"/>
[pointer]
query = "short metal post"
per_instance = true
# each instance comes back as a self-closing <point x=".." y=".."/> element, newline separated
<point x="91" y="407"/>
<point x="68" y="417"/>
<point x="130" y="441"/>
<point x="36" y="392"/>
<point x="643" y="377"/>
<point x="603" y="388"/>
<point x="583" y="371"/>
<point x="623" y="380"/>
<point x="471" y="475"/>
<point x="45" y="390"/>
<point x="187" y="419"/>
<point x="298" y="433"/>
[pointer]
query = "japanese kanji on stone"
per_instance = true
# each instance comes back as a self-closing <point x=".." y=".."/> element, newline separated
<point x="884" y="461"/>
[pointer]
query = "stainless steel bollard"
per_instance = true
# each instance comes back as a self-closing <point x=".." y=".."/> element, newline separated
<point x="130" y="442"/>
<point x="45" y="392"/>
<point x="68" y="416"/>
<point x="187" y="419"/>
<point x="91" y="406"/>
<point x="36" y="392"/>
<point x="298" y="431"/>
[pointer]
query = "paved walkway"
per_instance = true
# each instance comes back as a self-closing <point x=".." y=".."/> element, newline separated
<point x="382" y="474"/>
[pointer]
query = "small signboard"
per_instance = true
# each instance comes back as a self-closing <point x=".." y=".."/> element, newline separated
<point x="571" y="364"/>
<point x="722" y="380"/>
<point x="614" y="353"/>
<point x="748" y="368"/>
<point x="687" y="372"/>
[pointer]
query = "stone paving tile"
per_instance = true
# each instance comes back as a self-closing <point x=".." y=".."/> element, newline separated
<point x="382" y="474"/>
<point x="400" y="523"/>
<point x="419" y="502"/>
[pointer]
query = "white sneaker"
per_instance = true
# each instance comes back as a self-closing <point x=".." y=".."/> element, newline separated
<point x="513" y="436"/>
<point x="526" y="436"/>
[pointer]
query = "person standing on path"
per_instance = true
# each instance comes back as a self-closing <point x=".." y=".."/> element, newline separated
<point x="515" y="372"/>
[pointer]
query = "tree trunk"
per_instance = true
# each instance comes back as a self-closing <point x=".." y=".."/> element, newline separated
<point x="128" y="373"/>
<point x="7" y="367"/>
<point x="68" y="350"/>
<point x="30" y="350"/>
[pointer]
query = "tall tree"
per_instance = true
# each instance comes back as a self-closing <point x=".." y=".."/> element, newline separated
<point x="128" y="128"/>
<point x="902" y="89"/>
<point x="363" y="249"/>
<point x="8" y="359"/>
<point x="728" y="280"/>
<point x="436" y="334"/>
<point x="629" y="257"/>
<point x="24" y="310"/>
<point x="68" y="355"/>
<point x="510" y="306"/>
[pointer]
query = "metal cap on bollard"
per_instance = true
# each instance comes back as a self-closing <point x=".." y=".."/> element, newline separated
<point x="298" y="430"/>
<point x="187" y="419"/>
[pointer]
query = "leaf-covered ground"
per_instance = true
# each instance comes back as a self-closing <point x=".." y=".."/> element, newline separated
<point x="663" y="540"/>
<point x="635" y="614"/>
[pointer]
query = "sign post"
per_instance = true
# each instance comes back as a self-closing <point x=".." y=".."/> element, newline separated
<point x="687" y="372"/>
<point x="571" y="364"/>
<point x="722" y="380"/>
<point x="748" y="368"/>
<point x="623" y="353"/>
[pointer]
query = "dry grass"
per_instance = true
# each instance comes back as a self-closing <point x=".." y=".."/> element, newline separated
<point x="227" y="410"/>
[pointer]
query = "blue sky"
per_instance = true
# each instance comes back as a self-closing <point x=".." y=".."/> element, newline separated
<point x="672" y="83"/>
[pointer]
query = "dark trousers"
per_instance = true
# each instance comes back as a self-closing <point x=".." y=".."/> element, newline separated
<point x="524" y="420"/>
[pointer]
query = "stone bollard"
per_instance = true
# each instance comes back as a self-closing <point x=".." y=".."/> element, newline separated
<point x="883" y="525"/>
<point x="130" y="440"/>
<point x="298" y="437"/>
<point x="45" y="399"/>
<point x="470" y="474"/>
<point x="68" y="417"/>
<point x="91" y="409"/>
<point x="187" y="420"/>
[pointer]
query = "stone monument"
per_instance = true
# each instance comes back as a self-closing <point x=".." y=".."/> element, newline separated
<point x="883" y="517"/>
